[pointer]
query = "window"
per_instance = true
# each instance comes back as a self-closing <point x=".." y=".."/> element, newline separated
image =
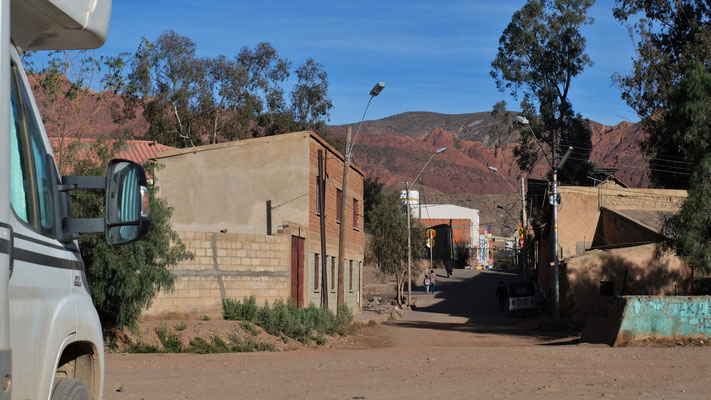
<point x="355" y="214"/>
<point x="32" y="193"/>
<point x="350" y="281"/>
<point x="316" y="259"/>
<point x="333" y="273"/>
<point x="339" y="204"/>
<point x="21" y="190"/>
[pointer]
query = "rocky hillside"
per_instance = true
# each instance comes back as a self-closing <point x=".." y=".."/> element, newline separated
<point x="395" y="149"/>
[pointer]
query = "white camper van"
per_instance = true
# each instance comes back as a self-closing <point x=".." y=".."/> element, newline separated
<point x="51" y="343"/>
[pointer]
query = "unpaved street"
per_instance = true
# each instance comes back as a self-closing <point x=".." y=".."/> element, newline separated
<point x="456" y="345"/>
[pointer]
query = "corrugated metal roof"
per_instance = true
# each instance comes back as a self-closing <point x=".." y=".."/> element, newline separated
<point x="139" y="151"/>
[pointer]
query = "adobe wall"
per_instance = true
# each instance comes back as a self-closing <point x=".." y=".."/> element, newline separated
<point x="646" y="274"/>
<point x="579" y="210"/>
<point x="226" y="186"/>
<point x="226" y="265"/>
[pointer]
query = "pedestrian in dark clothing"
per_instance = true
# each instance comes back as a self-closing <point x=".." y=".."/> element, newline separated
<point x="502" y="295"/>
<point x="449" y="266"/>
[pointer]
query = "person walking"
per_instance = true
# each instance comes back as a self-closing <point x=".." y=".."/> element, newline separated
<point x="449" y="266"/>
<point x="502" y="295"/>
<point x="427" y="283"/>
<point x="433" y="280"/>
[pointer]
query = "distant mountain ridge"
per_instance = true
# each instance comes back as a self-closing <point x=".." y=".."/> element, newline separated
<point x="395" y="148"/>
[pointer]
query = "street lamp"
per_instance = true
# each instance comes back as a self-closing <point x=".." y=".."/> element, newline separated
<point x="554" y="202"/>
<point x="409" y="232"/>
<point x="524" y="219"/>
<point x="340" y="296"/>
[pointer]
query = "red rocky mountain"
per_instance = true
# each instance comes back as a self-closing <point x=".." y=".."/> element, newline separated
<point x="396" y="148"/>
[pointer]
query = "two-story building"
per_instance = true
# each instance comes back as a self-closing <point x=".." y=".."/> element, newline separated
<point x="248" y="211"/>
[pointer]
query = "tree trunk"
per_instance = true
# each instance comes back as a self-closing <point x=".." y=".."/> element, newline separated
<point x="399" y="290"/>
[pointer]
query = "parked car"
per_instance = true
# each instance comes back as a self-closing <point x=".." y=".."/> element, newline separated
<point x="522" y="298"/>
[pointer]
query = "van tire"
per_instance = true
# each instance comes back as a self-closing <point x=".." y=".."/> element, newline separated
<point x="69" y="389"/>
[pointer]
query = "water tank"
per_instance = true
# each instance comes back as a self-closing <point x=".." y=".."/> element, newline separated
<point x="414" y="199"/>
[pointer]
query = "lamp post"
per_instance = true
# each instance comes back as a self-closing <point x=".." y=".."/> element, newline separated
<point x="340" y="296"/>
<point x="409" y="232"/>
<point x="524" y="219"/>
<point x="555" y="166"/>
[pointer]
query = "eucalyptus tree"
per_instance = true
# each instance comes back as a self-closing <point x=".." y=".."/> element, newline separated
<point x="540" y="52"/>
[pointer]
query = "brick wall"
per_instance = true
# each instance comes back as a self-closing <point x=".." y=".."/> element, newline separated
<point x="226" y="265"/>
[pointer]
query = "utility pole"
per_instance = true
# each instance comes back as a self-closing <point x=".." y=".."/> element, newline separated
<point x="420" y="197"/>
<point x="322" y="221"/>
<point x="524" y="225"/>
<point x="340" y="296"/>
<point x="409" y="247"/>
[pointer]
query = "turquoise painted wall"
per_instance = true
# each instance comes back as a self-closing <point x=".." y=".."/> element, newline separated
<point x="665" y="316"/>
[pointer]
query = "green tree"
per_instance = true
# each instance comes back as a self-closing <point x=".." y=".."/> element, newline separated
<point x="669" y="36"/>
<point x="309" y="97"/>
<point x="540" y="52"/>
<point x="168" y="81"/>
<point x="124" y="279"/>
<point x="388" y="243"/>
<point x="688" y="233"/>
<point x="686" y="123"/>
<point x="372" y="196"/>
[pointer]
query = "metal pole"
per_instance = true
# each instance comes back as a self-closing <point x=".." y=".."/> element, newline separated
<point x="341" y="296"/>
<point x="524" y="262"/>
<point x="556" y="277"/>
<point x="419" y="202"/>
<point x="431" y="266"/>
<point x="409" y="246"/>
<point x="269" y="217"/>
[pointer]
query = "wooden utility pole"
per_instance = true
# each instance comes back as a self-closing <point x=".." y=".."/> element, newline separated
<point x="322" y="217"/>
<point x="341" y="296"/>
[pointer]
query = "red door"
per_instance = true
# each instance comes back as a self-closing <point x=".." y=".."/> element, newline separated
<point x="297" y="270"/>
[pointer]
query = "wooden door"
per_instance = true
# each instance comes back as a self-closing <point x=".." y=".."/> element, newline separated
<point x="297" y="270"/>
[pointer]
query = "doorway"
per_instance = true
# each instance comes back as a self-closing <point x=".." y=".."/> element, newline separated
<point x="297" y="270"/>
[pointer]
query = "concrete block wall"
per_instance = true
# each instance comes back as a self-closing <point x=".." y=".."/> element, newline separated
<point x="225" y="265"/>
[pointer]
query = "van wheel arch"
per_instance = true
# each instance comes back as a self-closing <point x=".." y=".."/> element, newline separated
<point x="78" y="363"/>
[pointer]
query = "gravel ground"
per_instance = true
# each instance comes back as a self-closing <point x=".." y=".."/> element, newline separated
<point x="455" y="345"/>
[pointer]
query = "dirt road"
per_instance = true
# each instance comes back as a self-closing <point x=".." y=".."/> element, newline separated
<point x="455" y="346"/>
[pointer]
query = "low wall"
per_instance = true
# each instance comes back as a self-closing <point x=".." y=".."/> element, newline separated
<point x="629" y="319"/>
<point x="664" y="317"/>
<point x="226" y="265"/>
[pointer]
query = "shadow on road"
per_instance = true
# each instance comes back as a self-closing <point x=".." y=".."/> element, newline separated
<point x="466" y="302"/>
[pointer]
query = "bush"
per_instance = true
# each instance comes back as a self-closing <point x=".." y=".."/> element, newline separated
<point x="170" y="340"/>
<point x="240" y="311"/>
<point x="285" y="320"/>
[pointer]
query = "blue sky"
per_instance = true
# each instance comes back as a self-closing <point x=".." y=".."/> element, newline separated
<point x="433" y="55"/>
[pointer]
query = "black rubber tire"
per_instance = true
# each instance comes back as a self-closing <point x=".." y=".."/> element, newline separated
<point x="69" y="389"/>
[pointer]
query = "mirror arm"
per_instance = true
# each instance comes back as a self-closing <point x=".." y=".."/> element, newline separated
<point x="82" y="182"/>
<point x="83" y="225"/>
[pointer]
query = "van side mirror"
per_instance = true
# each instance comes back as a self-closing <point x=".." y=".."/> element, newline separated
<point x="127" y="202"/>
<point x="126" y="216"/>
